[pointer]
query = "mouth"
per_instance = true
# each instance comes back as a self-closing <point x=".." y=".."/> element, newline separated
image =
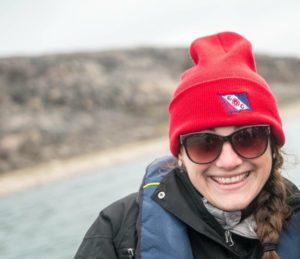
<point x="231" y="179"/>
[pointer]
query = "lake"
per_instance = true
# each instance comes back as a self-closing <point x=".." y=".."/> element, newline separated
<point x="49" y="221"/>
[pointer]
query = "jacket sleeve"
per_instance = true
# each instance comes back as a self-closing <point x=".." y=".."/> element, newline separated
<point x="112" y="231"/>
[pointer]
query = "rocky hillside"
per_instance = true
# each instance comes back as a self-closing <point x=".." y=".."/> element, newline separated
<point x="64" y="105"/>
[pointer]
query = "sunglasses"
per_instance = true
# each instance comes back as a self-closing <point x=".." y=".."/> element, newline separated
<point x="205" y="147"/>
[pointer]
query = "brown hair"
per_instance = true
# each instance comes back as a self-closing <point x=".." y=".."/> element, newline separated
<point x="272" y="208"/>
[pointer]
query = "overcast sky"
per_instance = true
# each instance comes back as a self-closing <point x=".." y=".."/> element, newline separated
<point x="36" y="27"/>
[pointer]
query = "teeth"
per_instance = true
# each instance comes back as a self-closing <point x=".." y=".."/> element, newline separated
<point x="233" y="179"/>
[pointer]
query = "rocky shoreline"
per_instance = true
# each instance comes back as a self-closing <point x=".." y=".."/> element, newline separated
<point x="45" y="173"/>
<point x="62" y="106"/>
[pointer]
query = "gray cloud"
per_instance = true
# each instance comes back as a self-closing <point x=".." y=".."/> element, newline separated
<point x="37" y="27"/>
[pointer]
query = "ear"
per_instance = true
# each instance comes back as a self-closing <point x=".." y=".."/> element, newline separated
<point x="180" y="154"/>
<point x="180" y="157"/>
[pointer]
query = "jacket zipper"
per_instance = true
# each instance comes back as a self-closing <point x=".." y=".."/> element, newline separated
<point x="228" y="238"/>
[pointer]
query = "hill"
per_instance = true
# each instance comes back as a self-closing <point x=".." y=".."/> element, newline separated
<point x="59" y="106"/>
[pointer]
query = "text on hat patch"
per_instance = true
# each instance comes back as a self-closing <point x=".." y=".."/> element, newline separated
<point x="236" y="102"/>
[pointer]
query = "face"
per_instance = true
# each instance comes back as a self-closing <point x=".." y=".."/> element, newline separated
<point x="230" y="182"/>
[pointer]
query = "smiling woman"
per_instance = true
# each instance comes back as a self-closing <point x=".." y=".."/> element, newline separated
<point x="229" y="181"/>
<point x="221" y="194"/>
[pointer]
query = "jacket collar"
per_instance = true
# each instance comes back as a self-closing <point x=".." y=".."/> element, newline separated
<point x="183" y="201"/>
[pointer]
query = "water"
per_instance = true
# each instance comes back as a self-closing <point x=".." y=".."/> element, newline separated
<point x="292" y="150"/>
<point x="49" y="221"/>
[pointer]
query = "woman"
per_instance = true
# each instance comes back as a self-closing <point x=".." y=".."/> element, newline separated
<point x="221" y="194"/>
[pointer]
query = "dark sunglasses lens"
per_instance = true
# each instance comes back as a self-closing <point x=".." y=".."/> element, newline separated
<point x="203" y="148"/>
<point x="251" y="142"/>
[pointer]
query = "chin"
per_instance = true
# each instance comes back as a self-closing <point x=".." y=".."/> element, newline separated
<point x="233" y="207"/>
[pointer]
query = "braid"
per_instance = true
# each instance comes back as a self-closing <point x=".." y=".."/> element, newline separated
<point x="272" y="208"/>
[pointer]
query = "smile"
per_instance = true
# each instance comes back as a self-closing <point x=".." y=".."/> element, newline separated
<point x="231" y="179"/>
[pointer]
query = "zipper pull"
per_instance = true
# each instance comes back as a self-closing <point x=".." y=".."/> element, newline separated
<point x="131" y="253"/>
<point x="228" y="238"/>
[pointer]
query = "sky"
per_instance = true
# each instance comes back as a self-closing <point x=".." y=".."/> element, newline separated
<point x="38" y="27"/>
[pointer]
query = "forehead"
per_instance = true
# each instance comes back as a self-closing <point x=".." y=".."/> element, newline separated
<point x="226" y="130"/>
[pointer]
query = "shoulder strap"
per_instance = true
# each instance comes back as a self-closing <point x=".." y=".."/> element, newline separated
<point x="289" y="241"/>
<point x="160" y="234"/>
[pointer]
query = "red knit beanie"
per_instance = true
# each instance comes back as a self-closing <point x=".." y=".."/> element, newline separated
<point x="221" y="89"/>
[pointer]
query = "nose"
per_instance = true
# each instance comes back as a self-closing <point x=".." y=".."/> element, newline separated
<point x="228" y="159"/>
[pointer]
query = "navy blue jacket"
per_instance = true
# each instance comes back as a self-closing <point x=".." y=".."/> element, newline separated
<point x="168" y="220"/>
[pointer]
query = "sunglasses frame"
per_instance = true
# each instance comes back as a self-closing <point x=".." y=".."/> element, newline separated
<point x="228" y="138"/>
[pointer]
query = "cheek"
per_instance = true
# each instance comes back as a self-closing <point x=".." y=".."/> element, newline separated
<point x="262" y="173"/>
<point x="195" y="172"/>
<point x="265" y="170"/>
<point x="264" y="163"/>
<point x="192" y="169"/>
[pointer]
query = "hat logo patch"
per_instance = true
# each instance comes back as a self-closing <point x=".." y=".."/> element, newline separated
<point x="236" y="102"/>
